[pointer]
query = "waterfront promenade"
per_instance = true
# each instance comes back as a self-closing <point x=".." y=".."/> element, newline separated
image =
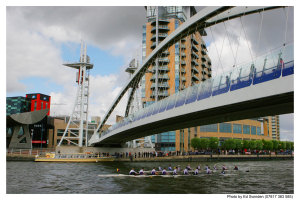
<point x="179" y="158"/>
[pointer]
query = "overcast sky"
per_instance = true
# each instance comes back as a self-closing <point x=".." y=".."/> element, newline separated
<point x="40" y="39"/>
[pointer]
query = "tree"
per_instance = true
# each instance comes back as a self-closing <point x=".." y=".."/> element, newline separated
<point x="204" y="142"/>
<point x="288" y="145"/>
<point x="252" y="144"/>
<point x="282" y="145"/>
<point x="292" y="145"/>
<point x="213" y="143"/>
<point x="230" y="144"/>
<point x="259" y="144"/>
<point x="246" y="144"/>
<point x="239" y="144"/>
<point x="268" y="145"/>
<point x="195" y="143"/>
<point x="275" y="144"/>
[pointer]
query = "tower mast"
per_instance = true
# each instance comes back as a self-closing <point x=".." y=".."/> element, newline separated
<point x="78" y="121"/>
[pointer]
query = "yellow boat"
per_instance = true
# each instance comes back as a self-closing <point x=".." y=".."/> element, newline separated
<point x="80" y="157"/>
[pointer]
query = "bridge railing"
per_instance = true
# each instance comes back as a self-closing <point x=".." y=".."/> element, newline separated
<point x="279" y="62"/>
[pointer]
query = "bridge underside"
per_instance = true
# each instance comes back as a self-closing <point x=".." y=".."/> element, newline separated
<point x="272" y="105"/>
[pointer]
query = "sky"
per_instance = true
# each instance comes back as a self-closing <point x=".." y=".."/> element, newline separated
<point x="40" y="39"/>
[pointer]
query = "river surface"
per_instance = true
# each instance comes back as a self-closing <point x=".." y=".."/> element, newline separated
<point x="272" y="177"/>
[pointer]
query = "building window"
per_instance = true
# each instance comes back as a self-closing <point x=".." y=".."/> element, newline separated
<point x="246" y="129"/>
<point x="209" y="128"/>
<point x="225" y="128"/>
<point x="253" y="130"/>
<point x="60" y="132"/>
<point x="258" y="130"/>
<point x="237" y="128"/>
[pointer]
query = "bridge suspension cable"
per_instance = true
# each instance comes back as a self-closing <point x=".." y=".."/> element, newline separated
<point x="206" y="17"/>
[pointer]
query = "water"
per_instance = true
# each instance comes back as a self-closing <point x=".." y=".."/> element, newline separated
<point x="56" y="178"/>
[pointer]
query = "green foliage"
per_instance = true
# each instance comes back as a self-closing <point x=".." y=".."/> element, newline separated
<point x="282" y="145"/>
<point x="292" y="145"/>
<point x="246" y="144"/>
<point x="259" y="144"/>
<point x="275" y="144"/>
<point x="288" y="145"/>
<point x="195" y="143"/>
<point x="239" y="144"/>
<point x="252" y="144"/>
<point x="213" y="143"/>
<point x="268" y="145"/>
<point x="204" y="142"/>
<point x="230" y="144"/>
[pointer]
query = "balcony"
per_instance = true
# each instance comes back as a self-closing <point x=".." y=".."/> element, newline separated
<point x="182" y="46"/>
<point x="163" y="60"/>
<point x="194" y="77"/>
<point x="203" y="52"/>
<point x="161" y="69"/>
<point x="183" y="39"/>
<point x="160" y="21"/>
<point x="182" y="70"/>
<point x="194" y="62"/>
<point x="160" y="85"/>
<point x="204" y="72"/>
<point x="195" y="55"/>
<point x="160" y="94"/>
<point x="209" y="62"/>
<point x="194" y="48"/>
<point x="153" y="45"/>
<point x="183" y="55"/>
<point x="193" y="39"/>
<point x="165" y="53"/>
<point x="203" y="58"/>
<point x="195" y="70"/>
<point x="160" y="36"/>
<point x="161" y="28"/>
<point x="203" y="78"/>
<point x="203" y="45"/>
<point x="209" y="75"/>
<point x="160" y="76"/>
<point x="183" y="79"/>
<point x="183" y="62"/>
<point x="209" y="69"/>
<point x="203" y="65"/>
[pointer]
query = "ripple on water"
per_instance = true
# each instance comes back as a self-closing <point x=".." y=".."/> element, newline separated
<point x="45" y="178"/>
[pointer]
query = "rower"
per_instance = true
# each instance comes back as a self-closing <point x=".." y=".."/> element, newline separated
<point x="235" y="168"/>
<point x="223" y="167"/>
<point x="159" y="168"/>
<point x="206" y="167"/>
<point x="141" y="172"/>
<point x="178" y="168"/>
<point x="185" y="171"/>
<point x="188" y="167"/>
<point x="175" y="171"/>
<point x="132" y="172"/>
<point x="199" y="167"/>
<point x="196" y="171"/>
<point x="223" y="171"/>
<point x="170" y="168"/>
<point x="164" y="172"/>
<point x="215" y="168"/>
<point x="153" y="171"/>
<point x="208" y="171"/>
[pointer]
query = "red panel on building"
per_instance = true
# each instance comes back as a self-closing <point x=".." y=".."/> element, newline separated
<point x="39" y="101"/>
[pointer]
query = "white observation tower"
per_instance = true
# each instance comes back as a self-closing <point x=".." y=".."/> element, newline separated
<point x="78" y="121"/>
